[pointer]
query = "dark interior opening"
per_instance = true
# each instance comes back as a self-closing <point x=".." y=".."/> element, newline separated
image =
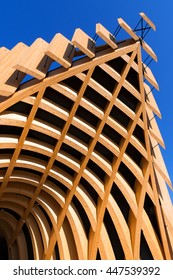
<point x="98" y="257"/>
<point x="121" y="201"/>
<point x="9" y="129"/>
<point x="133" y="78"/>
<point x="13" y="213"/>
<point x="71" y="151"/>
<point x="82" y="214"/>
<point x="21" y="107"/>
<point x="96" y="169"/>
<point x="42" y="137"/>
<point x="57" y="183"/>
<point x="7" y="151"/>
<point x="95" y="97"/>
<point x="150" y="210"/>
<point x="104" y="152"/>
<point x="91" y="191"/>
<point x="73" y="82"/>
<point x="57" y="252"/>
<point x="111" y="134"/>
<point x="134" y="154"/>
<point x="120" y="116"/>
<point x="117" y="64"/>
<point x="64" y="167"/>
<point x="114" y="238"/>
<point x="49" y="118"/>
<point x="3" y="248"/>
<point x="46" y="216"/>
<point x="35" y="155"/>
<point x="58" y="98"/>
<point x="139" y="134"/>
<point x="145" y="253"/>
<point x="31" y="171"/>
<point x="87" y="116"/>
<point x="127" y="174"/>
<point x="28" y="242"/>
<point x="78" y="133"/>
<point x="128" y="99"/>
<point x="104" y="79"/>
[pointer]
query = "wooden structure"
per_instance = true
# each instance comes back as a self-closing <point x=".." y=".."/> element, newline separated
<point x="81" y="172"/>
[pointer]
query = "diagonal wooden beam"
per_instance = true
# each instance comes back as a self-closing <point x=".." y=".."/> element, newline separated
<point x="102" y="204"/>
<point x="90" y="150"/>
<point x="54" y="154"/>
<point x="135" y="223"/>
<point x="61" y="74"/>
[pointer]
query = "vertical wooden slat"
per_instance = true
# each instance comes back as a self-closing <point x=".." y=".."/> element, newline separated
<point x="150" y="77"/>
<point x="34" y="61"/>
<point x="10" y="78"/>
<point x="61" y="50"/>
<point x="85" y="43"/>
<point x="150" y="23"/>
<point x="103" y="33"/>
<point x="128" y="29"/>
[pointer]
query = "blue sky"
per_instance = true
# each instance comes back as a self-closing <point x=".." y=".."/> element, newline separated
<point x="25" y="21"/>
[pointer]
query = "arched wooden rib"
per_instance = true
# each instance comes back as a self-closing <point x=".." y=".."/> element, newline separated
<point x="62" y="113"/>
<point x="95" y="156"/>
<point x="71" y="217"/>
<point x="21" y="140"/>
<point x="35" y="235"/>
<point x="108" y="207"/>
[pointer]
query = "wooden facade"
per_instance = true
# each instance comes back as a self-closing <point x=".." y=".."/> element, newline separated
<point x="81" y="172"/>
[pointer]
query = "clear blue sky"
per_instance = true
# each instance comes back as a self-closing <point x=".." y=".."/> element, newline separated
<point x="25" y="21"/>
